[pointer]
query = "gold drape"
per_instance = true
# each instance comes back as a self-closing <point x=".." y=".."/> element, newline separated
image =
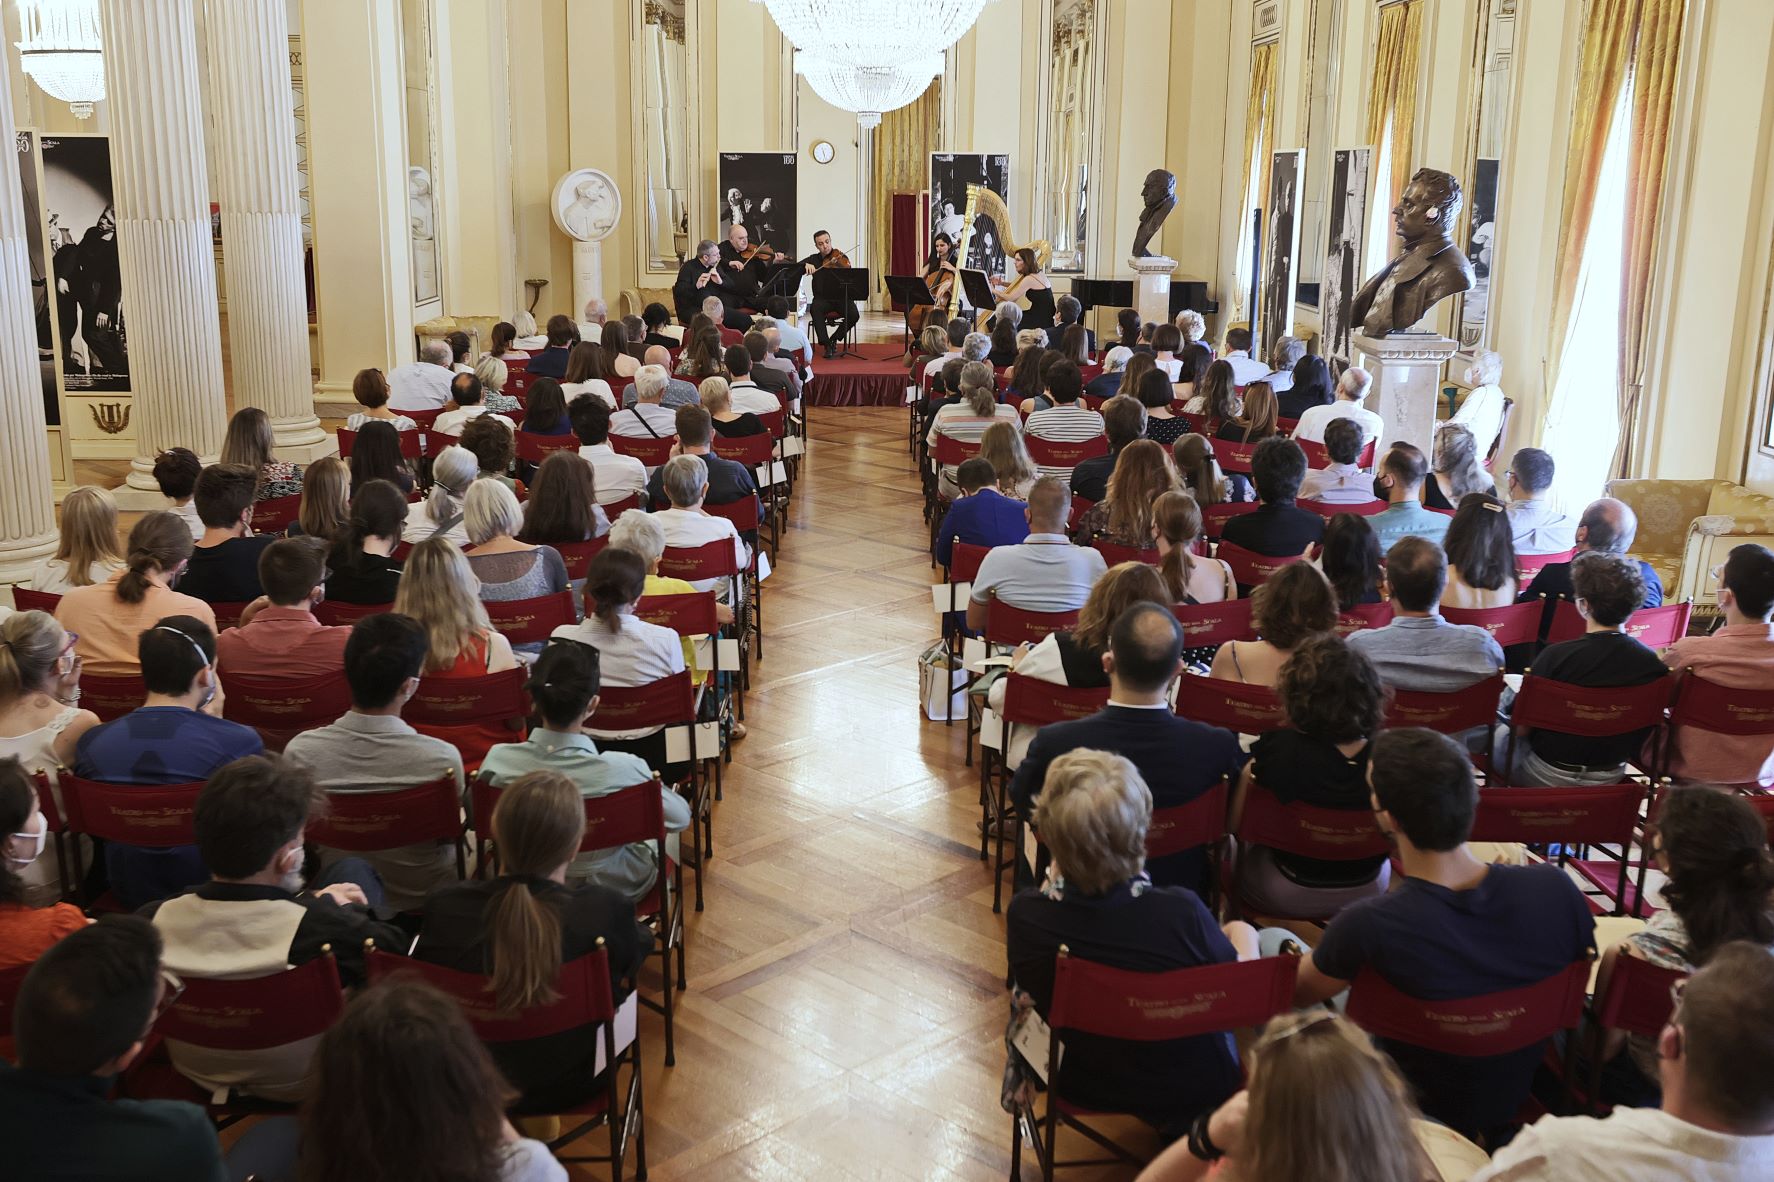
<point x="903" y="144"/>
<point x="1259" y="135"/>
<point x="1640" y="40"/>
<point x="1392" y="94"/>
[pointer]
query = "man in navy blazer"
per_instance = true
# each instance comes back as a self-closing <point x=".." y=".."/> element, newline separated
<point x="981" y="516"/>
<point x="1179" y="759"/>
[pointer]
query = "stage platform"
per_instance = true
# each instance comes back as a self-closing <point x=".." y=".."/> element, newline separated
<point x="878" y="378"/>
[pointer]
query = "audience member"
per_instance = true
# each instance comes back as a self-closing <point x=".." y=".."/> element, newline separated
<point x="1402" y="473"/>
<point x="175" y="472"/>
<point x="1124" y="517"/>
<point x="775" y="375"/>
<point x="687" y="525"/>
<point x="249" y="442"/>
<point x="1013" y="470"/>
<point x="1026" y="388"/>
<point x="1481" y="410"/>
<point x="369" y="388"/>
<point x="1607" y="526"/>
<point x="86" y="551"/>
<point x="1124" y="420"/>
<point x="1419" y="651"/>
<point x="1352" y="388"/>
<point x="1739" y="655"/>
<point x="468" y="396"/>
<point x="361" y="568"/>
<point x="370" y="749"/>
<point x="1200" y="472"/>
<point x="1167" y="342"/>
<point x="1190" y="323"/>
<point x="224" y="565"/>
<point x="376" y="456"/>
<point x="425" y="384"/>
<point x="792" y="340"/>
<point x="1456" y="471"/>
<point x="728" y="480"/>
<point x="107" y="617"/>
<point x="1294" y="604"/>
<point x="1215" y="396"/>
<point x="495" y="448"/>
<point x="641" y="533"/>
<point x="1005" y="346"/>
<point x="588" y="372"/>
<point x="1127" y="323"/>
<point x="647" y="417"/>
<point x="510" y="570"/>
<point x="441" y="513"/>
<point x="1107" y="384"/>
<point x="967" y="419"/>
<point x="326" y="500"/>
<point x="657" y="318"/>
<point x="545" y="411"/>
<point x="1163" y="427"/>
<point x="501" y="343"/>
<point x="1454" y="928"/>
<point x="1188" y="578"/>
<point x="439" y="589"/>
<point x="617" y="477"/>
<point x="1539" y="528"/>
<point x="1196" y="361"/>
<point x="278" y="636"/>
<point x="551" y="362"/>
<point x="1481" y="554"/>
<point x="27" y="927"/>
<point x="1350" y="559"/>
<point x="677" y="391"/>
<point x="1133" y="375"/>
<point x="493" y="374"/>
<point x="1310" y="386"/>
<point x="460" y="350"/>
<point x="956" y="333"/>
<point x="1245" y="369"/>
<point x="1284" y="354"/>
<point x="1279" y="528"/>
<point x="562" y="509"/>
<point x="1069" y="313"/>
<point x="1342" y="481"/>
<point x="717" y="399"/>
<point x="1068" y="420"/>
<point x="1042" y="573"/>
<point x="981" y="515"/>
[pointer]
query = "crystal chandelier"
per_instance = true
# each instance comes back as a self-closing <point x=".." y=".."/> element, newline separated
<point x="874" y="33"/>
<point x="62" y="52"/>
<point x="867" y="90"/>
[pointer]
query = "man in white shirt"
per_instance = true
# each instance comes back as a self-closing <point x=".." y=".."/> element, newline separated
<point x="1042" y="573"/>
<point x="1538" y="527"/>
<point x="646" y="419"/>
<point x="1481" y="411"/>
<point x="1342" y="482"/>
<point x="1245" y="368"/>
<point x="957" y="330"/>
<point x="467" y="393"/>
<point x="793" y="339"/>
<point x="596" y="314"/>
<point x="423" y="384"/>
<point x="615" y="477"/>
<point x="747" y="394"/>
<point x="771" y="359"/>
<point x="1284" y="356"/>
<point x="687" y="525"/>
<point x="1352" y="387"/>
<point x="1715" y="1058"/>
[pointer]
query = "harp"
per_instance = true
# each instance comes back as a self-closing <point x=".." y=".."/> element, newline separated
<point x="981" y="201"/>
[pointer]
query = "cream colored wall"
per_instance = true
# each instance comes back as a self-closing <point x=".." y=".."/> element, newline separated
<point x="828" y="196"/>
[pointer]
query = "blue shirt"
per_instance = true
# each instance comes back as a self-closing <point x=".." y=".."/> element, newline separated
<point x="60" y="1129"/>
<point x="550" y="363"/>
<point x="984" y="518"/>
<point x="1429" y="655"/>
<point x="1408" y="519"/>
<point x="1043" y="573"/>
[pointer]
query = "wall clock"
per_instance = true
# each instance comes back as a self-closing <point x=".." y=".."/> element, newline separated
<point x="823" y="152"/>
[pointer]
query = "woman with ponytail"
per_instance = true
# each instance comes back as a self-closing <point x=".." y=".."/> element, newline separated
<point x="361" y="567"/>
<point x="521" y="926"/>
<point x="107" y="617"/>
<point x="441" y="514"/>
<point x="1200" y="472"/>
<point x="1176" y="528"/>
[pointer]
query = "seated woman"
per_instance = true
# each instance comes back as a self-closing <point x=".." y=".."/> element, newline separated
<point x="1107" y="384"/>
<point x="1004" y="351"/>
<point x="1027" y="391"/>
<point x="509" y="570"/>
<point x="1294" y="604"/>
<point x="1188" y="578"/>
<point x="618" y="361"/>
<point x="1200" y="472"/>
<point x="933" y="342"/>
<point x="107" y="618"/>
<point x="249" y="441"/>
<point x="494" y="449"/>
<point x="493" y="374"/>
<point x="563" y="504"/>
<point x="1127" y="327"/>
<point x="545" y="413"/>
<point x="520" y="927"/>
<point x="1216" y="396"/>
<point x="968" y="419"/>
<point x="703" y="356"/>
<point x="376" y="456"/>
<point x="360" y="566"/>
<point x="1455" y="471"/>
<point x="641" y="534"/>
<point x="1335" y="704"/>
<point x="1124" y="516"/>
<point x="1167" y="342"/>
<point x="1029" y="285"/>
<point x="27" y="928"/>
<point x="1196" y="359"/>
<point x="326" y="500"/>
<point x="370" y="389"/>
<point x="1003" y="448"/>
<point x="499" y="343"/>
<point x="440" y="514"/>
<point x="1163" y="427"/>
<point x="585" y="375"/>
<point x="1074" y="345"/>
<point x="439" y="589"/>
<point x="1350" y="557"/>
<point x="1713" y="848"/>
<point x="1312" y="387"/>
<point x="1093" y="813"/>
<point x="1255" y="422"/>
<point x="1480" y="546"/>
<point x="717" y="400"/>
<point x="86" y="550"/>
<point x="460" y="349"/>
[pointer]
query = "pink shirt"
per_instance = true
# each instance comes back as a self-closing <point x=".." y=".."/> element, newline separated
<point x="1737" y="656"/>
<point x="109" y="627"/>
<point x="283" y="642"/>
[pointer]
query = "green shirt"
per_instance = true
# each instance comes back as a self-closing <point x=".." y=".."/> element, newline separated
<point x="56" y="1128"/>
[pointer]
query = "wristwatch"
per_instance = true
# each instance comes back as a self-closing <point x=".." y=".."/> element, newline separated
<point x="1200" y="1144"/>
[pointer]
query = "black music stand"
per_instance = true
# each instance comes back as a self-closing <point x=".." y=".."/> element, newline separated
<point x="843" y="285"/>
<point x="773" y="279"/>
<point x="909" y="291"/>
<point x="978" y="290"/>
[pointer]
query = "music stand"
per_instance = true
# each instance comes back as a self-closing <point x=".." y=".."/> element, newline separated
<point x="909" y="291"/>
<point x="843" y="286"/>
<point x="978" y="290"/>
<point x="773" y="277"/>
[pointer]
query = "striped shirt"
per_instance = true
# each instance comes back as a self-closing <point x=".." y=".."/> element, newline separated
<point x="1063" y="423"/>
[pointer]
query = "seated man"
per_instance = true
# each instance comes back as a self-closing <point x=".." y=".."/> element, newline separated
<point x="1341" y="482"/>
<point x="1609" y="589"/>
<point x="1739" y="655"/>
<point x="563" y="334"/>
<point x="1245" y="368"/>
<point x="1069" y="311"/>
<point x="647" y="418"/>
<point x="81" y="1018"/>
<point x="468" y="394"/>
<point x="252" y="918"/>
<point x="684" y="480"/>
<point x="1539" y="528"/>
<point x="678" y="392"/>
<point x="732" y="323"/>
<point x="1716" y="1059"/>
<point x="1403" y="470"/>
<point x="1068" y="420"/>
<point x="1607" y="526"/>
<point x="1093" y="814"/>
<point x="957" y="330"/>
<point x="981" y="515"/>
<point x="1419" y="651"/>
<point x="224" y="566"/>
<point x="1178" y="758"/>
<point x="1453" y="927"/>
<point x="791" y="341"/>
<point x="1279" y="528"/>
<point x="1352" y="388"/>
<point x="774" y="360"/>
<point x="747" y="394"/>
<point x="176" y="736"/>
<point x="1124" y="420"/>
<point x="615" y="477"/>
<point x="1042" y="573"/>
<point x="944" y="391"/>
<point x="278" y="634"/>
<point x="728" y="480"/>
<point x="1283" y="356"/>
<point x="423" y="384"/>
<point x="371" y="749"/>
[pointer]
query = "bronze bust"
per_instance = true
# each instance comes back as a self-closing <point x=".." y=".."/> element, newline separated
<point x="1160" y="193"/>
<point x="1429" y="269"/>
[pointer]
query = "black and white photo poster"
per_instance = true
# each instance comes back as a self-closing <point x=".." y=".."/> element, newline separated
<point x="1345" y="228"/>
<point x="31" y="188"/>
<point x="758" y="192"/>
<point x="1481" y="245"/>
<point x="82" y="247"/>
<point x="950" y="174"/>
<point x="1282" y="248"/>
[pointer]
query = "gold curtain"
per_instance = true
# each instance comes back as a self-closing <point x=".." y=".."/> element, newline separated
<point x="1640" y="40"/>
<point x="1392" y="93"/>
<point x="1259" y="134"/>
<point x="903" y="144"/>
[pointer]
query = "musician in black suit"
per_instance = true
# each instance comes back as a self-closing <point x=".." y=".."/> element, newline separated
<point x="745" y="274"/>
<point x="701" y="277"/>
<point x="820" y="307"/>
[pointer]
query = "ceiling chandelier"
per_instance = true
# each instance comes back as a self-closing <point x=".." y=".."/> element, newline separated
<point x="62" y="52"/>
<point x="874" y="33"/>
<point x="867" y="90"/>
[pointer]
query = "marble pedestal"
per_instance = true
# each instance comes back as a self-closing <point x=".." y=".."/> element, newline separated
<point x="588" y="274"/>
<point x="1152" y="295"/>
<point x="1407" y="372"/>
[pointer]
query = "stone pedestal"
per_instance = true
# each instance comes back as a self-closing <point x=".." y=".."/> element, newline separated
<point x="1407" y="371"/>
<point x="1152" y="294"/>
<point x="588" y="274"/>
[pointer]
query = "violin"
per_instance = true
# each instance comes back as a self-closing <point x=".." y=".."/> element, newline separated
<point x="836" y="258"/>
<point x="762" y="252"/>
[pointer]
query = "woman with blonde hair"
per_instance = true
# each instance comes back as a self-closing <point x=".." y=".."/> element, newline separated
<point x="1003" y="448"/>
<point x="1455" y="472"/>
<point x="108" y="617"/>
<point x="493" y="374"/>
<point x="250" y="441"/>
<point x="1188" y="579"/>
<point x="641" y="534"/>
<point x="86" y="552"/>
<point x="717" y="400"/>
<point x="1124" y="517"/>
<point x="1296" y="602"/>
<point x="441" y="513"/>
<point x="1216" y="395"/>
<point x="439" y="589"/>
<point x="326" y="500"/>
<point x="968" y="418"/>
<point x="1256" y="420"/>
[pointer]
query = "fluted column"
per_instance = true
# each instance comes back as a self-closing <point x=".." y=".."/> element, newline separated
<point x="27" y="504"/>
<point x="163" y="234"/>
<point x="261" y="221"/>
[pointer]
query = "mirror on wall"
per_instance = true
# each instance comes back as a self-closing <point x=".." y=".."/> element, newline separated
<point x="1069" y="130"/>
<point x="663" y="132"/>
<point x="1321" y="81"/>
<point x="1493" y="68"/>
<point x="417" y="55"/>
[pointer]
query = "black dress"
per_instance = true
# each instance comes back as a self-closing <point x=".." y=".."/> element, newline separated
<point x="1040" y="313"/>
<point x="746" y="424"/>
<point x="366" y="579"/>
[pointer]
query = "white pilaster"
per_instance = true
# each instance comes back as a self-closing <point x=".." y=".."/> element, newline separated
<point x="27" y="504"/>
<point x="163" y="234"/>
<point x="1407" y="382"/>
<point x="261" y="220"/>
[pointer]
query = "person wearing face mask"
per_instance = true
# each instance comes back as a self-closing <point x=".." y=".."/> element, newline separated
<point x="25" y="931"/>
<point x="252" y="918"/>
<point x="177" y="736"/>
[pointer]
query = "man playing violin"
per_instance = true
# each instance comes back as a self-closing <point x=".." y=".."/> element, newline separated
<point x="743" y="264"/>
<point x="824" y="256"/>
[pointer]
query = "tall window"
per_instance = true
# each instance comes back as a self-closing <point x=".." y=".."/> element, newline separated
<point x="1259" y="134"/>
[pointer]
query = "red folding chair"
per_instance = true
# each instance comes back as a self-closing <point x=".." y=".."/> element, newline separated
<point x="280" y="708"/>
<point x="1250" y="569"/>
<point x="1637" y="1000"/>
<point x="1305" y="831"/>
<point x="1008" y="626"/>
<point x="532" y="448"/>
<point x="583" y="998"/>
<point x="1589" y="711"/>
<point x="370" y="822"/>
<point x="1318" y="457"/>
<point x="1214" y="517"/>
<point x="577" y="556"/>
<point x="1233" y="457"/>
<point x="26" y="600"/>
<point x="1764" y="804"/>
<point x="1363" y="616"/>
<point x="1049" y="453"/>
<point x="753" y="451"/>
<point x="1198" y="824"/>
<point x="532" y="621"/>
<point x="1080" y="506"/>
<point x="1235" y="705"/>
<point x="277" y="514"/>
<point x="1136" y="1007"/>
<point x="1198" y="423"/>
<point x="1700" y="708"/>
<point x="152" y="816"/>
<point x="1529" y="565"/>
<point x="336" y="614"/>
<point x="412" y="443"/>
<point x="436" y="441"/>
<point x="615" y="509"/>
<point x="1449" y="713"/>
<point x="471" y="713"/>
<point x="1518" y="623"/>
<point x="423" y="418"/>
<point x="111" y="695"/>
<point x="715" y="560"/>
<point x="1213" y="624"/>
<point x="1286" y="426"/>
<point x="1653" y="627"/>
<point x="1327" y="510"/>
<point x="950" y="452"/>
<point x="1113" y="554"/>
<point x="651" y="452"/>
<point x="690" y="614"/>
<point x="1569" y="817"/>
<point x="227" y="614"/>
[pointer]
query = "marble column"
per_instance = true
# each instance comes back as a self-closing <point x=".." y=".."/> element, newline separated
<point x="27" y="504"/>
<point x="262" y="220"/>
<point x="1407" y="370"/>
<point x="163" y="235"/>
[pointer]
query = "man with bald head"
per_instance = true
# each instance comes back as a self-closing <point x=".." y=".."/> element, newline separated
<point x="596" y="314"/>
<point x="1179" y="759"/>
<point x="1607" y="526"/>
<point x="742" y="272"/>
<point x="1042" y="573"/>
<point x="678" y="392"/>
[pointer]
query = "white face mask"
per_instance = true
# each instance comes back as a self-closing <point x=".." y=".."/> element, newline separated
<point x="33" y="841"/>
